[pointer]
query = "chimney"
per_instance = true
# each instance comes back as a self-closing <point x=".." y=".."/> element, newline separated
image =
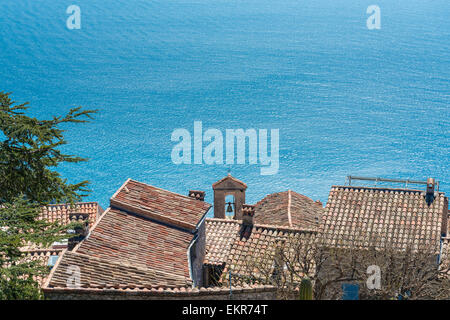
<point x="429" y="197"/>
<point x="248" y="212"/>
<point x="197" y="195"/>
<point x="79" y="232"/>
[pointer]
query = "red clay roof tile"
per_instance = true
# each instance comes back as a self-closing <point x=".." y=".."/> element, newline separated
<point x="145" y="234"/>
<point x="98" y="273"/>
<point x="379" y="216"/>
<point x="62" y="212"/>
<point x="162" y="205"/>
<point x="288" y="208"/>
<point x="230" y="243"/>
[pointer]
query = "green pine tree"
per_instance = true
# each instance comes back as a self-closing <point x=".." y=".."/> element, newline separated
<point x="29" y="155"/>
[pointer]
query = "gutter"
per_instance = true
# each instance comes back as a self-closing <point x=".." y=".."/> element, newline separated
<point x="189" y="260"/>
<point x="197" y="227"/>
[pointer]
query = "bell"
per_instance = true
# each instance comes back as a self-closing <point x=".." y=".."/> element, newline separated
<point x="229" y="209"/>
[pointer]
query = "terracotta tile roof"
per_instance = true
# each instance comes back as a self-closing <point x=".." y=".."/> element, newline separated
<point x="230" y="242"/>
<point x="289" y="209"/>
<point x="43" y="255"/>
<point x="142" y="241"/>
<point x="158" y="204"/>
<point x="148" y="253"/>
<point x="64" y="212"/>
<point x="99" y="273"/>
<point x="398" y="217"/>
<point x="220" y="234"/>
<point x="126" y="238"/>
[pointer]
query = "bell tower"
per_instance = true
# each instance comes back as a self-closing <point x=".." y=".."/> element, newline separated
<point x="226" y="187"/>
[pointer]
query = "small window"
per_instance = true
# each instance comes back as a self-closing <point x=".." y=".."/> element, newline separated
<point x="52" y="260"/>
<point x="350" y="291"/>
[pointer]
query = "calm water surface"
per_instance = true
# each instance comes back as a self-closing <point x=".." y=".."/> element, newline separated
<point x="347" y="100"/>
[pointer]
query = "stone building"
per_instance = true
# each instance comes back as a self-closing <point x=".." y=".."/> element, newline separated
<point x="396" y="222"/>
<point x="155" y="244"/>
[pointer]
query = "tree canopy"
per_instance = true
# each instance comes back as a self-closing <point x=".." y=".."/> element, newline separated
<point x="29" y="156"/>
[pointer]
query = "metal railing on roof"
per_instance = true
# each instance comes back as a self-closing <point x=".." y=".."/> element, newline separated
<point x="376" y="180"/>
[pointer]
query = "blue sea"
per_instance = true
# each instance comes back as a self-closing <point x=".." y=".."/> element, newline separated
<point x="346" y="100"/>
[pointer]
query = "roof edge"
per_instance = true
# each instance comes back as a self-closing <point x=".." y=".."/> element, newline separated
<point x="384" y="189"/>
<point x="169" y="292"/>
<point x="120" y="189"/>
<point x="266" y="226"/>
<point x="52" y="272"/>
<point x="68" y="204"/>
<point x="165" y="190"/>
<point x="128" y="208"/>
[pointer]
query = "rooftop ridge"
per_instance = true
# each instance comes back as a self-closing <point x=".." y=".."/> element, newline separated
<point x="40" y="251"/>
<point x="161" y="189"/>
<point x="382" y="188"/>
<point x="265" y="226"/>
<point x="185" y="213"/>
<point x="69" y="204"/>
<point x="280" y="192"/>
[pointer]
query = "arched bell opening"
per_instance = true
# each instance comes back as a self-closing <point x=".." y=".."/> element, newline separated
<point x="230" y="206"/>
